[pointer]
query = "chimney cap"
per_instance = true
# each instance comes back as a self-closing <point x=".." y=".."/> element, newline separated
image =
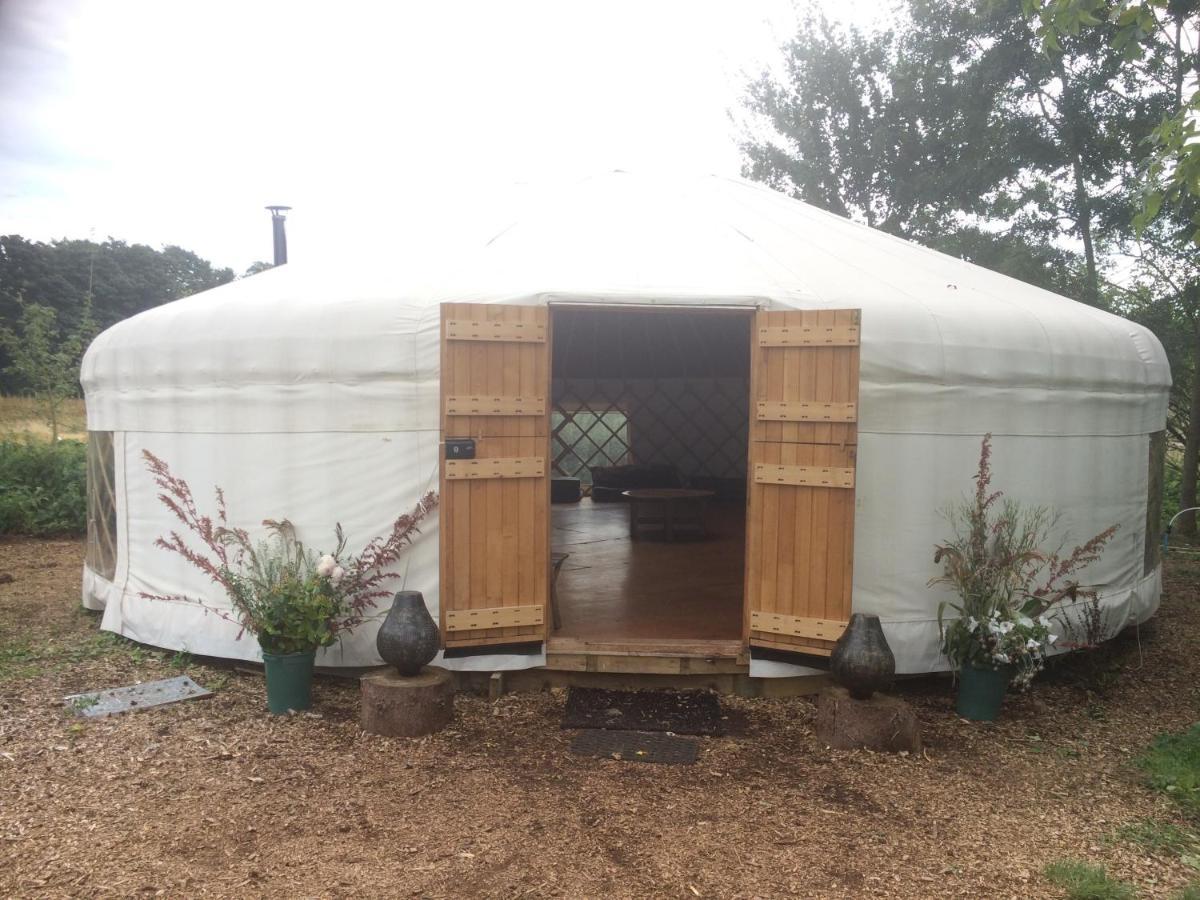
<point x="276" y="210"/>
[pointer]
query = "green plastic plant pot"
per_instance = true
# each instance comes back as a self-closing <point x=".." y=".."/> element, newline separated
<point x="289" y="680"/>
<point x="981" y="692"/>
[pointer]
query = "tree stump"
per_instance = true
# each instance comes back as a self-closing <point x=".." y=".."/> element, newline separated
<point x="880" y="723"/>
<point x="398" y="706"/>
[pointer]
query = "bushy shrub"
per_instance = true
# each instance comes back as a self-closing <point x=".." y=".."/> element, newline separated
<point x="43" y="488"/>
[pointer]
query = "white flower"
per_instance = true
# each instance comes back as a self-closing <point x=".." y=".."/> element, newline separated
<point x="972" y="623"/>
<point x="1024" y="620"/>
<point x="1051" y="638"/>
<point x="326" y="566"/>
<point x="1031" y="644"/>
<point x="1000" y="657"/>
<point x="336" y="575"/>
<point x="1043" y="621"/>
<point x="1006" y="627"/>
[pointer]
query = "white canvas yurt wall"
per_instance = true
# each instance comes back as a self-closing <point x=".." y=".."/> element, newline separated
<point x="315" y="397"/>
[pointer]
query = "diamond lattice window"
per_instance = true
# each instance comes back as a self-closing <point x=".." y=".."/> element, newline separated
<point x="583" y="436"/>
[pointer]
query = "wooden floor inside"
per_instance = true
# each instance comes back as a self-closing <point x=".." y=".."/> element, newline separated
<point x="621" y="596"/>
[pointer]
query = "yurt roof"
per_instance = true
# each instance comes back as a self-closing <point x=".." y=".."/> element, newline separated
<point x="620" y="238"/>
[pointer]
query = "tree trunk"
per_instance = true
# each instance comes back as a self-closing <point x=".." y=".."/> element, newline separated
<point x="1083" y="219"/>
<point x="1083" y="201"/>
<point x="1191" y="448"/>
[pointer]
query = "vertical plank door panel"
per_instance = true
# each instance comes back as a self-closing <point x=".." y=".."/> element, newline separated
<point x="495" y="529"/>
<point x="800" y="538"/>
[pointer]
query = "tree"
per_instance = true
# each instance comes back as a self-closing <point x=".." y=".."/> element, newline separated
<point x="1156" y="40"/>
<point x="1015" y="142"/>
<point x="114" y="279"/>
<point x="255" y="267"/>
<point x="47" y="366"/>
<point x="956" y="118"/>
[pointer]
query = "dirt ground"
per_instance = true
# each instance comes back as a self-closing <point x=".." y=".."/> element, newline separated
<point x="216" y="798"/>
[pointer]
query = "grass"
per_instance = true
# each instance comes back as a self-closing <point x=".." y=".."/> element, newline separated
<point x="1084" y="881"/>
<point x="23" y="659"/>
<point x="19" y="417"/>
<point x="1172" y="765"/>
<point x="1158" y="838"/>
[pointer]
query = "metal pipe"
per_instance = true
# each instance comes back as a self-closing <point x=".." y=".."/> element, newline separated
<point x="1167" y="530"/>
<point x="279" y="232"/>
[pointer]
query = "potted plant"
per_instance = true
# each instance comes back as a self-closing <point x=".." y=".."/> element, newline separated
<point x="294" y="600"/>
<point x="1006" y="583"/>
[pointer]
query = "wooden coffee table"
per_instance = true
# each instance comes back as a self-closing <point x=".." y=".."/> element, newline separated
<point x="675" y="512"/>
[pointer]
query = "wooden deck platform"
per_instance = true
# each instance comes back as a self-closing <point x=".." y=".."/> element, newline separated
<point x="620" y="596"/>
<point x="646" y="614"/>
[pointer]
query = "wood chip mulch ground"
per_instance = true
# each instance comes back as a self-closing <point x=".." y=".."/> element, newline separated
<point x="216" y="798"/>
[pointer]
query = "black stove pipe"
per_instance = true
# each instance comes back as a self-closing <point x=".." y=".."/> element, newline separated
<point x="279" y="232"/>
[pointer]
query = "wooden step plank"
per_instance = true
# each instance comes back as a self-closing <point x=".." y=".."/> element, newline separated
<point x="806" y="646"/>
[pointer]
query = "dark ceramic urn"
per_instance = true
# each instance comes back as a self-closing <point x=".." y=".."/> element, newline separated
<point x="862" y="661"/>
<point x="408" y="638"/>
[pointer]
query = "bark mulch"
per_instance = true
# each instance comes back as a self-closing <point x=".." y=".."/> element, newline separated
<point x="219" y="799"/>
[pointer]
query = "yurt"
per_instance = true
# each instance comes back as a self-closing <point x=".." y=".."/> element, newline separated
<point x="677" y="425"/>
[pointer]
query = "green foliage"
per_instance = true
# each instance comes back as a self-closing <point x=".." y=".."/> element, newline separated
<point x="23" y="659"/>
<point x="115" y="279"/>
<point x="1084" y="881"/>
<point x="1004" y="579"/>
<point x="954" y="128"/>
<point x="256" y="267"/>
<point x="284" y="599"/>
<point x="1161" y="838"/>
<point x="41" y="362"/>
<point x="1143" y="33"/>
<point x="280" y="591"/>
<point x="43" y="488"/>
<point x="1189" y="892"/>
<point x="1172" y="765"/>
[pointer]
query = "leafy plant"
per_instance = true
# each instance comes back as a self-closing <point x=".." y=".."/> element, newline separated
<point x="1005" y="581"/>
<point x="1172" y="765"/>
<point x="45" y="364"/>
<point x="1084" y="881"/>
<point x="43" y="488"/>
<point x="290" y="597"/>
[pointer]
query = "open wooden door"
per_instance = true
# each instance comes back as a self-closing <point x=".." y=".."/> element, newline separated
<point x="495" y="497"/>
<point x="803" y="442"/>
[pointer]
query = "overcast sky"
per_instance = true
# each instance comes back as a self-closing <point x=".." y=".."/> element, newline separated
<point x="176" y="122"/>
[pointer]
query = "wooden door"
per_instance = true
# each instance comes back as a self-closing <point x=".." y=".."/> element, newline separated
<point x="803" y="442"/>
<point x="495" y="507"/>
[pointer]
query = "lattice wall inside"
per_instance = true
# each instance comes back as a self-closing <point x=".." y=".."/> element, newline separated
<point x="697" y="425"/>
<point x="101" y="505"/>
